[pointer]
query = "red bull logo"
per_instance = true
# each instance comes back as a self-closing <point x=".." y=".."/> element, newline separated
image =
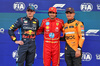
<point x="30" y="36"/>
<point x="30" y="32"/>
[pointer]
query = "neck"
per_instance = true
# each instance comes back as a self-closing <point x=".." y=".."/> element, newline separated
<point x="70" y="19"/>
<point x="52" y="18"/>
<point x="30" y="17"/>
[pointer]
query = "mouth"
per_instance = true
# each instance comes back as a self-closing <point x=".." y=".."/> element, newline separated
<point x="52" y="16"/>
<point x="68" y="16"/>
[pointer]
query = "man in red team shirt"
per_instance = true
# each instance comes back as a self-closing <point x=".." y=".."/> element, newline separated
<point x="52" y="27"/>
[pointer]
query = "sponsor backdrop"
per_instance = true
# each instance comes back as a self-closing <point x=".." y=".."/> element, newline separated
<point x="87" y="11"/>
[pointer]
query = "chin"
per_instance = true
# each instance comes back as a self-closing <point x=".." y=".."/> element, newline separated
<point x="30" y="16"/>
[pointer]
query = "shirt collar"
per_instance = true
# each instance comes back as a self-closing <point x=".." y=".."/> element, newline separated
<point x="29" y="18"/>
<point x="70" y="21"/>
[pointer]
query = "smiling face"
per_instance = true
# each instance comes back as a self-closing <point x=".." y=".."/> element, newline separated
<point x="52" y="15"/>
<point x="30" y="13"/>
<point x="70" y="15"/>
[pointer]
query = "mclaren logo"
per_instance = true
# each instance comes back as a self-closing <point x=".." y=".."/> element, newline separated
<point x="59" y="6"/>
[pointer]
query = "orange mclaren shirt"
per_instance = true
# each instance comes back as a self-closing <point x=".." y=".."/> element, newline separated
<point x="74" y="34"/>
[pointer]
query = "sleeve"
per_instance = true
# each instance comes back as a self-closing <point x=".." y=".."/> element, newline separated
<point x="37" y="24"/>
<point x="40" y="29"/>
<point x="62" y="38"/>
<point x="62" y="25"/>
<point x="81" y="34"/>
<point x="13" y="28"/>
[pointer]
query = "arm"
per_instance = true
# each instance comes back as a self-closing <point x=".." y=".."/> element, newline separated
<point x="40" y="29"/>
<point x="81" y="34"/>
<point x="62" y="38"/>
<point x="81" y="39"/>
<point x="37" y="24"/>
<point x="13" y="28"/>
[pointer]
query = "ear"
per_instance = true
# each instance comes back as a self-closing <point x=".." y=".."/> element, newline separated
<point x="74" y="14"/>
<point x="34" y="12"/>
<point x="26" y="11"/>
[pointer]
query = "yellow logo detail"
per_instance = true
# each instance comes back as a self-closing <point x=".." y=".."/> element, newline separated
<point x="34" y="22"/>
<point x="47" y="27"/>
<point x="14" y="38"/>
<point x="12" y="25"/>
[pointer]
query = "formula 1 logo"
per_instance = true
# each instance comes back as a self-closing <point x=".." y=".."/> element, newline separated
<point x="62" y="56"/>
<point x="1" y="30"/>
<point x="86" y="7"/>
<point x="59" y="6"/>
<point x="92" y="32"/>
<point x="19" y="6"/>
<point x="86" y="56"/>
<point x="34" y="5"/>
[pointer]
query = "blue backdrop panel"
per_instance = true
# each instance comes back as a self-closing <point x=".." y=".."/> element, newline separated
<point x="87" y="11"/>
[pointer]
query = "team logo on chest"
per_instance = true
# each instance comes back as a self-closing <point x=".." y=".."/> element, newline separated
<point x="34" y="22"/>
<point x="47" y="23"/>
<point x="57" y="29"/>
<point x="47" y="27"/>
<point x="25" y="21"/>
<point x="51" y="35"/>
<point x="66" y="27"/>
<point x="57" y="24"/>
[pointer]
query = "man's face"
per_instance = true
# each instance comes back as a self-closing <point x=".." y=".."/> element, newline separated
<point x="70" y="15"/>
<point x="52" y="15"/>
<point x="30" y="13"/>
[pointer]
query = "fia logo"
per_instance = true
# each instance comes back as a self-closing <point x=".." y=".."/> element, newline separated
<point x="19" y="6"/>
<point x="15" y="55"/>
<point x="86" y="7"/>
<point x="86" y="56"/>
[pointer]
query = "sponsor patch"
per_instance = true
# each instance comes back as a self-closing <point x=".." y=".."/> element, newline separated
<point x="47" y="23"/>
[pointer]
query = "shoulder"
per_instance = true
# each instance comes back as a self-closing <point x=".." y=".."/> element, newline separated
<point x="66" y="23"/>
<point x="21" y="19"/>
<point x="59" y="20"/>
<point x="45" y="20"/>
<point x="79" y="22"/>
<point x="36" y="19"/>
